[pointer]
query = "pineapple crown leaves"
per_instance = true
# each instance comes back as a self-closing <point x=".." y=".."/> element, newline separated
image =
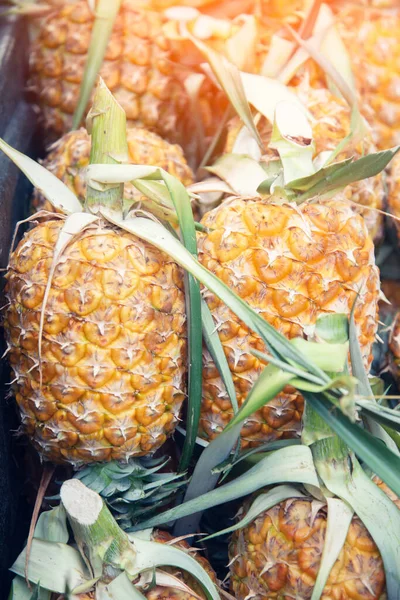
<point x="102" y="548"/>
<point x="133" y="489"/>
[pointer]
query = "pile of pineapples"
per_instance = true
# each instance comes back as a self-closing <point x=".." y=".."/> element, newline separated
<point x="193" y="311"/>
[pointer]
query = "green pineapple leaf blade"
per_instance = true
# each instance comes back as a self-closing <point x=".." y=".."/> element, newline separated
<point x="292" y="464"/>
<point x="120" y="588"/>
<point x="105" y="16"/>
<point x="371" y="450"/>
<point x="338" y="522"/>
<point x="372" y="419"/>
<point x="153" y="554"/>
<point x="53" y="564"/>
<point x="339" y="175"/>
<point x="55" y="191"/>
<point x="215" y="348"/>
<point x="181" y="201"/>
<point x="379" y="514"/>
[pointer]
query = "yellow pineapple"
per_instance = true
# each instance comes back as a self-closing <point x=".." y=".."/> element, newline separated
<point x="291" y="264"/>
<point x="137" y="67"/>
<point x="278" y="555"/>
<point x="71" y="154"/>
<point x="370" y="32"/>
<point x="113" y="347"/>
<point x="96" y="334"/>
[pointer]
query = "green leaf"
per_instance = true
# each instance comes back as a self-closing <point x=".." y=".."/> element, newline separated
<point x="291" y="464"/>
<point x="384" y="415"/>
<point x="333" y="329"/>
<point x="270" y="382"/>
<point x="372" y="451"/>
<point x="52" y="525"/>
<point x="364" y="388"/>
<point x="54" y="565"/>
<point x="338" y="523"/>
<point x="20" y="591"/>
<point x="215" y="348"/>
<point x="262" y="503"/>
<point x="120" y="588"/>
<point x="54" y="190"/>
<point x="153" y="554"/>
<point x="293" y="139"/>
<point x="341" y="174"/>
<point x="183" y="209"/>
<point x="105" y="16"/>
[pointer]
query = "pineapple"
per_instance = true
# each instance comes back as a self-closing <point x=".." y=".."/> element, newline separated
<point x="113" y="345"/>
<point x="279" y="553"/>
<point x="152" y="564"/>
<point x="137" y="67"/>
<point x="291" y="264"/>
<point x="97" y="345"/>
<point x="331" y="123"/>
<point x="370" y="32"/>
<point x="71" y="154"/>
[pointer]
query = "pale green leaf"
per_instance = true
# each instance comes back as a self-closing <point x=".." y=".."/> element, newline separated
<point x="55" y="565"/>
<point x="120" y="588"/>
<point x="54" y="190"/>
<point x="338" y="522"/>
<point x="52" y="525"/>
<point x="152" y="554"/>
<point x="293" y="464"/>
<point x="105" y="16"/>
<point x="379" y="514"/>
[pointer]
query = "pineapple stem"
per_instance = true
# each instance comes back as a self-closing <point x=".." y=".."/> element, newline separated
<point x="100" y="540"/>
<point x="106" y="122"/>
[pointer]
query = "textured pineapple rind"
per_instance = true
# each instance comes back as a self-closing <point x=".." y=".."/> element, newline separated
<point x="137" y="67"/>
<point x="113" y="345"/>
<point x="291" y="264"/>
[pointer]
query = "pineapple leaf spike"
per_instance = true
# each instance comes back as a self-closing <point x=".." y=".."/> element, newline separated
<point x="106" y="122"/>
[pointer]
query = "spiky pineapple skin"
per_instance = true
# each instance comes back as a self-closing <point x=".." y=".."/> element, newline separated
<point x="113" y="344"/>
<point x="278" y="556"/>
<point x="330" y="125"/>
<point x="370" y="32"/>
<point x="291" y="264"/>
<point x="393" y="193"/>
<point x="136" y="67"/>
<point x="71" y="154"/>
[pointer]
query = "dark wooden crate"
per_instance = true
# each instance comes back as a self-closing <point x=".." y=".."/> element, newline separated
<point x="17" y="127"/>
